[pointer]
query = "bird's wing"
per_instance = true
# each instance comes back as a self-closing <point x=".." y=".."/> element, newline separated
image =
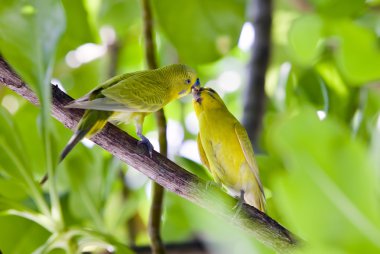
<point x="143" y="92"/>
<point x="202" y="153"/>
<point x="96" y="100"/>
<point x="105" y="104"/>
<point x="246" y="146"/>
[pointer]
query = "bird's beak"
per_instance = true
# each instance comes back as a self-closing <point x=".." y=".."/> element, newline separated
<point x="196" y="91"/>
<point x="196" y="85"/>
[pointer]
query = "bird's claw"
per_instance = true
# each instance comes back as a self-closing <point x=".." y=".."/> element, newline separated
<point x="148" y="145"/>
<point x="239" y="204"/>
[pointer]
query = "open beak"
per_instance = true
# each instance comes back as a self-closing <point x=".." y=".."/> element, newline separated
<point x="196" y="85"/>
<point x="196" y="91"/>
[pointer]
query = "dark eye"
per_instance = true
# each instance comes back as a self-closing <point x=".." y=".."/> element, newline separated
<point x="188" y="81"/>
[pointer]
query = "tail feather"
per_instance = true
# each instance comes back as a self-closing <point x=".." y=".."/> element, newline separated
<point x="78" y="136"/>
<point x="255" y="197"/>
<point x="91" y="122"/>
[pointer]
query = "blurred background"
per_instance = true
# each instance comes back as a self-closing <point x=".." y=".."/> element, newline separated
<point x="318" y="149"/>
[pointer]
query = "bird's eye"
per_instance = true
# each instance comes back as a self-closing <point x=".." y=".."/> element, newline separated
<point x="188" y="81"/>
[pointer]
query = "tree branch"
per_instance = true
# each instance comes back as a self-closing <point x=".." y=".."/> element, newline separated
<point x="162" y="170"/>
<point x="194" y="247"/>
<point x="158" y="191"/>
<point x="255" y="98"/>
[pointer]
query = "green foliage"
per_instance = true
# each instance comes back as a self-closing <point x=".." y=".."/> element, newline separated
<point x="320" y="143"/>
<point x="210" y="27"/>
<point x="329" y="178"/>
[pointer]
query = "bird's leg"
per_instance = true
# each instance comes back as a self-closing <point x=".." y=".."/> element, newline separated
<point x="144" y="140"/>
<point x="239" y="204"/>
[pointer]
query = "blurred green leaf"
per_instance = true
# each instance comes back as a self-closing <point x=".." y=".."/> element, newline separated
<point x="78" y="28"/>
<point x="121" y="15"/>
<point x="339" y="8"/>
<point x="358" y="53"/>
<point x="86" y="180"/>
<point x="326" y="166"/>
<point x="29" y="32"/>
<point x="79" y="81"/>
<point x="342" y="99"/>
<point x="15" y="242"/>
<point x="13" y="161"/>
<point x="194" y="168"/>
<point x="201" y="31"/>
<point x="305" y="37"/>
<point x="365" y="122"/>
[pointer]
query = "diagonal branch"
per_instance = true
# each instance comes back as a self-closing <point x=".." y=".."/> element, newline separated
<point x="163" y="171"/>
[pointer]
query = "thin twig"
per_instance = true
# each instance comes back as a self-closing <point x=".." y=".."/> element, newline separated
<point x="255" y="98"/>
<point x="158" y="191"/>
<point x="162" y="170"/>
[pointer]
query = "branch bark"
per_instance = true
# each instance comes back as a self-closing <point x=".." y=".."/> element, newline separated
<point x="158" y="191"/>
<point x="162" y="170"/>
<point x="195" y="247"/>
<point x="255" y="98"/>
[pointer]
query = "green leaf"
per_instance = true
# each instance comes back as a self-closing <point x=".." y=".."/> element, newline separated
<point x="29" y="32"/>
<point x="339" y="8"/>
<point x="79" y="29"/>
<point x="201" y="31"/>
<point x="194" y="168"/>
<point x="305" y="36"/>
<point x="13" y="241"/>
<point x="342" y="99"/>
<point x="13" y="161"/>
<point x="121" y="15"/>
<point x="89" y="187"/>
<point x="366" y="123"/>
<point x="358" y="66"/>
<point x="328" y="193"/>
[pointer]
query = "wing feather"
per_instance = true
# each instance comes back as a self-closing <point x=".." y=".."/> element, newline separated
<point x="143" y="92"/>
<point x="132" y="92"/>
<point x="246" y="146"/>
<point x="202" y="153"/>
<point x="105" y="104"/>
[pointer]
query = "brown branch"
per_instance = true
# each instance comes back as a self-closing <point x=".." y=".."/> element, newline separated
<point x="162" y="170"/>
<point x="195" y="247"/>
<point x="255" y="97"/>
<point x="158" y="191"/>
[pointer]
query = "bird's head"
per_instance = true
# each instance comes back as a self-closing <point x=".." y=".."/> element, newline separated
<point x="184" y="79"/>
<point x="205" y="98"/>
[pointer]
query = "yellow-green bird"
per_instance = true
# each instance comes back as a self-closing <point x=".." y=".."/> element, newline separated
<point x="130" y="97"/>
<point x="225" y="149"/>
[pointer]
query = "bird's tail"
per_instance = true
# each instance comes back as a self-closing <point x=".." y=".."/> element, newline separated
<point x="253" y="190"/>
<point x="91" y="123"/>
<point x="254" y="196"/>
<point x="78" y="136"/>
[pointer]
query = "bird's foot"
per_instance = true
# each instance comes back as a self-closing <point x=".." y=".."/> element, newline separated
<point x="239" y="204"/>
<point x="147" y="144"/>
